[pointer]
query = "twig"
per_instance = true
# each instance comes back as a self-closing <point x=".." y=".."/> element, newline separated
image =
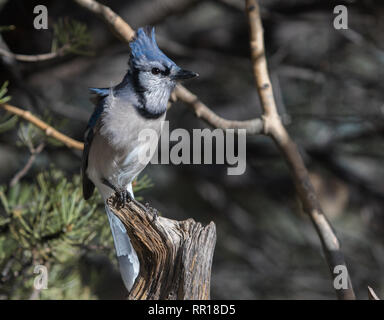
<point x="275" y="129"/>
<point x="252" y="126"/>
<point x="116" y="23"/>
<point x="372" y="295"/>
<point x="28" y="165"/>
<point x="34" y="58"/>
<point x="47" y="129"/>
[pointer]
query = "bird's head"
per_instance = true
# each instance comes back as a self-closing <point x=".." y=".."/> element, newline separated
<point x="152" y="68"/>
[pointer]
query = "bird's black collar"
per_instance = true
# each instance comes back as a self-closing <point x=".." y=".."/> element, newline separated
<point x="148" y="114"/>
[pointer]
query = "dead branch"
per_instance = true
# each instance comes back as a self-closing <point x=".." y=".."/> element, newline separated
<point x="275" y="129"/>
<point x="175" y="256"/>
<point x="47" y="129"/>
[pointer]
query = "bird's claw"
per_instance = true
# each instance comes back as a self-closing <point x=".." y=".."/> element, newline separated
<point x="153" y="211"/>
<point x="123" y="197"/>
<point x="155" y="215"/>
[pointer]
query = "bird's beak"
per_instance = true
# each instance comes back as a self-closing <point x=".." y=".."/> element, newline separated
<point x="184" y="74"/>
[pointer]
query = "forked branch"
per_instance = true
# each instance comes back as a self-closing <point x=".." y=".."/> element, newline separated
<point x="275" y="129"/>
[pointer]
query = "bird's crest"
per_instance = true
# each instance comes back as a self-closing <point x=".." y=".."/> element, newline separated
<point x="144" y="49"/>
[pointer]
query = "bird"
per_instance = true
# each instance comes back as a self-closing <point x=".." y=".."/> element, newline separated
<point x="111" y="145"/>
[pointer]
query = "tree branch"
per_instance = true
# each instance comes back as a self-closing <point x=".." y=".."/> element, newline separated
<point x="47" y="129"/>
<point x="252" y="126"/>
<point x="122" y="29"/>
<point x="275" y="129"/>
<point x="28" y="165"/>
<point x="34" y="58"/>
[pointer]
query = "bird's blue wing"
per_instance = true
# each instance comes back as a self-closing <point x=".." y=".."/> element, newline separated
<point x="96" y="115"/>
<point x="88" y="185"/>
<point x="101" y="93"/>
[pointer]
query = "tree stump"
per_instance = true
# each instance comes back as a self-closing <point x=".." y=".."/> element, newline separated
<point x="175" y="256"/>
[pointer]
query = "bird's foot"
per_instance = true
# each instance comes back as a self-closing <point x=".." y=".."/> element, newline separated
<point x="123" y="197"/>
<point x="155" y="215"/>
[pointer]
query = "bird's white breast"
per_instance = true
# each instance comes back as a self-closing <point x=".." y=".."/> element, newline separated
<point x="116" y="150"/>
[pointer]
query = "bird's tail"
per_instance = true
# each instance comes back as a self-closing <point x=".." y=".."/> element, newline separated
<point x="128" y="261"/>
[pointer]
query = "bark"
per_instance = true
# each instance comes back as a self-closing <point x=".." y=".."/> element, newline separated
<point x="175" y="256"/>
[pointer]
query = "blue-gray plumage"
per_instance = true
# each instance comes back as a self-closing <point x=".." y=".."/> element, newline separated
<point x="112" y="148"/>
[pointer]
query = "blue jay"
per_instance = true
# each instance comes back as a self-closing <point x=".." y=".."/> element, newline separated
<point x="110" y="158"/>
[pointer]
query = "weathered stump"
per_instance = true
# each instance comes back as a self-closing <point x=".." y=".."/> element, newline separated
<point x="175" y="256"/>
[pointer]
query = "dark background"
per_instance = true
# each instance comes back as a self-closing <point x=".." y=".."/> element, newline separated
<point x="329" y="90"/>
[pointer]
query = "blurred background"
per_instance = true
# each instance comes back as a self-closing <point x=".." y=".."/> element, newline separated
<point x="329" y="92"/>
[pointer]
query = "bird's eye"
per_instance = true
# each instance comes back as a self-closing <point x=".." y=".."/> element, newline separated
<point x="155" y="71"/>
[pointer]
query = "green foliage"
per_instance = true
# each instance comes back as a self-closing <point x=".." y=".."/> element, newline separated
<point x="7" y="122"/>
<point x="3" y="91"/>
<point x="72" y="35"/>
<point x="48" y="222"/>
<point x="29" y="135"/>
<point x="51" y="210"/>
<point x="143" y="183"/>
